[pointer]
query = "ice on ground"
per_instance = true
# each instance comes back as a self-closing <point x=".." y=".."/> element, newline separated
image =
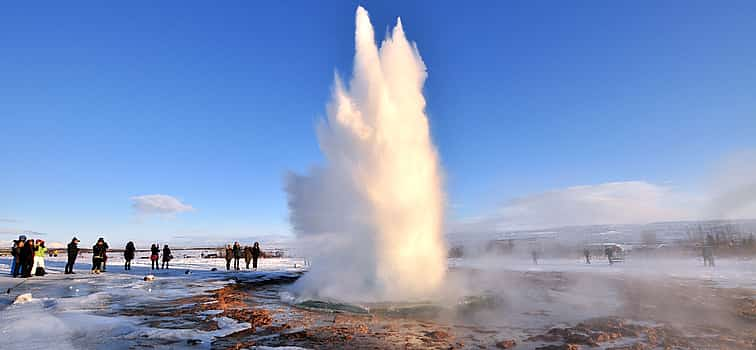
<point x="80" y="311"/>
<point x="729" y="272"/>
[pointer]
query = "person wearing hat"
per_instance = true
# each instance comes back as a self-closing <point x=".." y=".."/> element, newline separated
<point x="39" y="258"/>
<point x="73" y="252"/>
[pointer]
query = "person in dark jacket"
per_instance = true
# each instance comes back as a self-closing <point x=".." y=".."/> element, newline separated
<point x="128" y="255"/>
<point x="27" y="258"/>
<point x="104" y="253"/>
<point x="18" y="266"/>
<point x="237" y="255"/>
<point x="256" y="253"/>
<point x="73" y="252"/>
<point x="98" y="256"/>
<point x="154" y="256"/>
<point x="166" y="256"/>
<point x="247" y="255"/>
<point x="229" y="255"/>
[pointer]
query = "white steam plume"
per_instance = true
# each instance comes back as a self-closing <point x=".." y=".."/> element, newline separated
<point x="371" y="218"/>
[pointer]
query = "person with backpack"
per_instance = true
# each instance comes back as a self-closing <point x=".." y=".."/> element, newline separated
<point x="166" y="256"/>
<point x="73" y="252"/>
<point x="229" y="255"/>
<point x="128" y="255"/>
<point x="256" y="253"/>
<point x="98" y="256"/>
<point x="38" y="267"/>
<point x="154" y="256"/>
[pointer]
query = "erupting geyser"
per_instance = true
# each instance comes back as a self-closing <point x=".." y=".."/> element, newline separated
<point x="371" y="218"/>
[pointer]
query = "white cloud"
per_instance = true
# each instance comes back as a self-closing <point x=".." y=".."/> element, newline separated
<point x="160" y="204"/>
<point x="631" y="202"/>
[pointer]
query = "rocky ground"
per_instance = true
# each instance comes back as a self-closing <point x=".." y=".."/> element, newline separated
<point x="650" y="314"/>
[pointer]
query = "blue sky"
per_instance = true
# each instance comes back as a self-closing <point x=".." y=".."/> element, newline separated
<point x="213" y="103"/>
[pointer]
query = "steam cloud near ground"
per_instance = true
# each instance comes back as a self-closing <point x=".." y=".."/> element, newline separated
<point x="371" y="217"/>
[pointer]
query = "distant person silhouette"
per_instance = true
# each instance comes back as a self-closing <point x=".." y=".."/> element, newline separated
<point x="229" y="255"/>
<point x="128" y="255"/>
<point x="166" y="256"/>
<point x="154" y="256"/>
<point x="247" y="255"/>
<point x="587" y="254"/>
<point x="256" y="253"/>
<point x="237" y="255"/>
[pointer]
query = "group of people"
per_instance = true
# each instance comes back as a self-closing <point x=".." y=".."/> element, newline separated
<point x="28" y="257"/>
<point x="236" y="252"/>
<point x="99" y="255"/>
<point x="155" y="256"/>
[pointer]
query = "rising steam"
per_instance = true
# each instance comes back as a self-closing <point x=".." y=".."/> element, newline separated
<point x="371" y="217"/>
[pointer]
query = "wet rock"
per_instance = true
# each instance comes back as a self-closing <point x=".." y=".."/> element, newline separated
<point x="149" y="278"/>
<point x="577" y="338"/>
<point x="193" y="341"/>
<point x="437" y="335"/>
<point x="559" y="347"/>
<point x="506" y="344"/>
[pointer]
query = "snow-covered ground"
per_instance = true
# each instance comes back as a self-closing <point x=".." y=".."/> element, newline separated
<point x="81" y="311"/>
<point x="729" y="272"/>
<point x="78" y="311"/>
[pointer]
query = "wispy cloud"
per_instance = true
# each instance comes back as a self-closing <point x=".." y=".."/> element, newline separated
<point x="159" y="204"/>
<point x="9" y="220"/>
<point x="15" y="232"/>
<point x="630" y="202"/>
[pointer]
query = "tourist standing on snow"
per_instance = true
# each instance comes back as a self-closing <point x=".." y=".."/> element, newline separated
<point x="154" y="256"/>
<point x="256" y="253"/>
<point x="247" y="255"/>
<point x="39" y="258"/>
<point x="166" y="256"/>
<point x="229" y="255"/>
<point x="17" y="268"/>
<point x="128" y="255"/>
<point x="587" y="254"/>
<point x="237" y="255"/>
<point x="98" y="256"/>
<point x="14" y="254"/>
<point x="104" y="252"/>
<point x="73" y="252"/>
<point x="27" y="258"/>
